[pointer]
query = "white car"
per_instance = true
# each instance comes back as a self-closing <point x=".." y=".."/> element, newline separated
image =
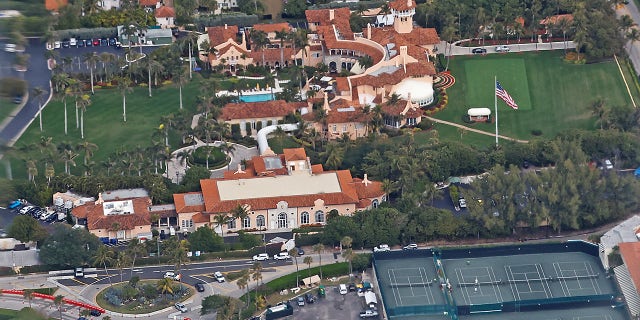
<point x="382" y="248"/>
<point x="608" y="164"/>
<point x="25" y="209"/>
<point x="172" y="275"/>
<point x="218" y="276"/>
<point x="181" y="307"/>
<point x="282" y="256"/>
<point x="57" y="45"/>
<point x="503" y="49"/>
<point x="261" y="257"/>
<point x="73" y="42"/>
<point x="462" y="202"/>
<point x="368" y="314"/>
<point x="411" y="246"/>
<point x="10" y="47"/>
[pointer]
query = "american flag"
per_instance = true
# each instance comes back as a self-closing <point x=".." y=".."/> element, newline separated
<point x="502" y="94"/>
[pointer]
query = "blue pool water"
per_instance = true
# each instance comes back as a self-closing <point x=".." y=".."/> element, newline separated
<point x="258" y="97"/>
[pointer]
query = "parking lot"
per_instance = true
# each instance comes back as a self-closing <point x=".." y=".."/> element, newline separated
<point x="333" y="306"/>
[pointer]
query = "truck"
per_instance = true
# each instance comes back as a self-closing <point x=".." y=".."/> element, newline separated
<point x="279" y="311"/>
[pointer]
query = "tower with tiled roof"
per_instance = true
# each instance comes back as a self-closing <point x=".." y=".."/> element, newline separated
<point x="403" y="11"/>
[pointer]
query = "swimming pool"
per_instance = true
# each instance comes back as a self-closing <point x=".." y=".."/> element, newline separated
<point x="257" y="97"/>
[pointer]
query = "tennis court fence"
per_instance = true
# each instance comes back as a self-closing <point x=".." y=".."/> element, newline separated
<point x="570" y="246"/>
<point x="538" y="304"/>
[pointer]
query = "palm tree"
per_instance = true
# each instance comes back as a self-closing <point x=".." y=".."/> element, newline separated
<point x="179" y="79"/>
<point x="599" y="109"/>
<point x="75" y="90"/>
<point x="259" y="41"/>
<point x="308" y="260"/>
<point x="221" y="219"/>
<point x="347" y="253"/>
<point x="626" y="23"/>
<point x="82" y="102"/>
<point x="239" y="212"/>
<point x="564" y="25"/>
<point x="154" y="68"/>
<point x="294" y="253"/>
<point x="319" y="248"/>
<point x="90" y="58"/>
<point x="38" y="93"/>
<point x="124" y="84"/>
<point x="103" y="256"/>
<point x="122" y="260"/>
<point x="88" y="148"/>
<point x="334" y="155"/>
<point x="28" y="294"/>
<point x="61" y="82"/>
<point x="58" y="301"/>
<point x="282" y="35"/>
<point x="165" y="285"/>
<point x="32" y="170"/>
<point x="243" y="283"/>
<point x="135" y="249"/>
<point x="256" y="274"/>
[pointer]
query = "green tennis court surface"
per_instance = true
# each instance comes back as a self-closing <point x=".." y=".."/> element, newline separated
<point x="512" y="75"/>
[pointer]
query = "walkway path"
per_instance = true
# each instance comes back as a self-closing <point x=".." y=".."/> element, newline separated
<point x="176" y="169"/>
<point x="475" y="130"/>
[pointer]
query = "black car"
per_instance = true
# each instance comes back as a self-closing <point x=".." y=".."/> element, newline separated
<point x="352" y="287"/>
<point x="300" y="251"/>
<point x="65" y="43"/>
<point x="310" y="298"/>
<point x="33" y="211"/>
<point x="479" y="50"/>
<point x="199" y="287"/>
<point x="52" y="218"/>
<point x="104" y="42"/>
<point x="95" y="313"/>
<point x="112" y="41"/>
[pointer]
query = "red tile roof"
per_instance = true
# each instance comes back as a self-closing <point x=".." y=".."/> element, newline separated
<point x="220" y="34"/>
<point x="165" y="12"/>
<point x="402" y="5"/>
<point x="294" y="154"/>
<point x="415" y="69"/>
<point x="182" y="207"/>
<point x="148" y="3"/>
<point x="321" y="16"/>
<point x="373" y="189"/>
<point x="55" y="5"/>
<point x="357" y="115"/>
<point x="253" y="110"/>
<point x="97" y="220"/>
<point x="200" y="218"/>
<point x="272" y="27"/>
<point x="316" y="168"/>
<point x="342" y="84"/>
<point x="272" y="55"/>
<point x="630" y="252"/>
<point x="556" y="19"/>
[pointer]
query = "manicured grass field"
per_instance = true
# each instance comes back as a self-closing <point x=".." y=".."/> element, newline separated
<point x="510" y="72"/>
<point x="561" y="94"/>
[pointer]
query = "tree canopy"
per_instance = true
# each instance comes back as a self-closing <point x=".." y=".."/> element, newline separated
<point x="26" y="228"/>
<point x="67" y="246"/>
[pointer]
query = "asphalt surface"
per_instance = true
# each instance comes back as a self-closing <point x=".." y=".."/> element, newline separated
<point x="333" y="306"/>
<point x="633" y="50"/>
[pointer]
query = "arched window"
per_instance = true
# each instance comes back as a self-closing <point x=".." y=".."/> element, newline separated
<point x="304" y="218"/>
<point x="282" y="220"/>
<point x="375" y="203"/>
<point x="246" y="222"/>
<point x="319" y="216"/>
<point x="260" y="221"/>
<point x="231" y="224"/>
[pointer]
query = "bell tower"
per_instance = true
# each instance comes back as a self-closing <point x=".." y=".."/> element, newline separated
<point x="403" y="11"/>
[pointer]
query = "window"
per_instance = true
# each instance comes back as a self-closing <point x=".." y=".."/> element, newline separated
<point x="231" y="224"/>
<point x="260" y="221"/>
<point x="282" y="220"/>
<point x="246" y="222"/>
<point x="344" y="128"/>
<point x="375" y="203"/>
<point x="335" y="128"/>
<point x="186" y="223"/>
<point x="304" y="218"/>
<point x="319" y="216"/>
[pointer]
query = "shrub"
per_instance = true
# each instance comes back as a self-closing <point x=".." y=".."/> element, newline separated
<point x="269" y="123"/>
<point x="235" y="132"/>
<point x="303" y="239"/>
<point x="536" y="132"/>
<point x="247" y="128"/>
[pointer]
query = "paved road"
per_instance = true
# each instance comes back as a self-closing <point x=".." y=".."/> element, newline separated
<point x="457" y="50"/>
<point x="633" y="50"/>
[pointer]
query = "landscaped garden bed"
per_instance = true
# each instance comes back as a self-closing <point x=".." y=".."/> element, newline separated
<point x="137" y="297"/>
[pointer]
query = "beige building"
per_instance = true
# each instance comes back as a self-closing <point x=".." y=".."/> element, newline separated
<point x="280" y="192"/>
<point x="265" y="113"/>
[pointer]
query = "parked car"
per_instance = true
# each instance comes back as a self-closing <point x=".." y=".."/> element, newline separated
<point x="66" y="43"/>
<point x="503" y="49"/>
<point x="95" y="313"/>
<point x="96" y="42"/>
<point x="17" y="99"/>
<point x="368" y="314"/>
<point x="200" y="287"/>
<point x="300" y="301"/>
<point x="261" y="257"/>
<point x="352" y="287"/>
<point x="15" y="204"/>
<point x="51" y="218"/>
<point x="25" y="209"/>
<point x="57" y="44"/>
<point x="104" y="42"/>
<point x="10" y="47"/>
<point x="462" y="202"/>
<point x="88" y="42"/>
<point x="81" y="43"/>
<point x="181" y="307"/>
<point x="479" y="50"/>
<point x="282" y="256"/>
<point x="112" y="41"/>
<point x="300" y="251"/>
<point x="172" y="275"/>
<point x="608" y="164"/>
<point x="73" y="42"/>
<point x="382" y="248"/>
<point x="411" y="246"/>
<point x="309" y="298"/>
<point x="218" y="276"/>
<point x="343" y="288"/>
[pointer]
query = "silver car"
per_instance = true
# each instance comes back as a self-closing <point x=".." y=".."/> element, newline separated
<point x="181" y="307"/>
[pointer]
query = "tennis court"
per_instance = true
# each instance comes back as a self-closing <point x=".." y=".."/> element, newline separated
<point x="409" y="285"/>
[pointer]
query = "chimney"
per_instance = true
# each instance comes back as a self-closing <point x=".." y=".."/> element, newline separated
<point x="239" y="171"/>
<point x="409" y="3"/>
<point x="366" y="181"/>
<point x="403" y="56"/>
<point x="325" y="106"/>
<point x="100" y="200"/>
<point x="369" y="31"/>
<point x="332" y="14"/>
<point x="225" y="26"/>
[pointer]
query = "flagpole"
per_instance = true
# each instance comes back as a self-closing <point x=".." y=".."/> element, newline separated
<point x="495" y="105"/>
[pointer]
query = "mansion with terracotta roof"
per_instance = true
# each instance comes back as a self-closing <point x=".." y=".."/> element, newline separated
<point x="279" y="192"/>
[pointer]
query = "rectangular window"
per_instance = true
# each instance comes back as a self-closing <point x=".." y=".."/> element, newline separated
<point x="344" y="128"/>
<point x="335" y="128"/>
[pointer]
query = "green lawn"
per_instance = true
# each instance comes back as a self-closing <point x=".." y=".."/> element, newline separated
<point x="6" y="107"/>
<point x="561" y="94"/>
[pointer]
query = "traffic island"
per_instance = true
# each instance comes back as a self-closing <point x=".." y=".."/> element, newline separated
<point x="142" y="297"/>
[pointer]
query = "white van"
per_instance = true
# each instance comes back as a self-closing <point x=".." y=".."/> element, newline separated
<point x="73" y="42"/>
<point x="219" y="277"/>
<point x="343" y="289"/>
